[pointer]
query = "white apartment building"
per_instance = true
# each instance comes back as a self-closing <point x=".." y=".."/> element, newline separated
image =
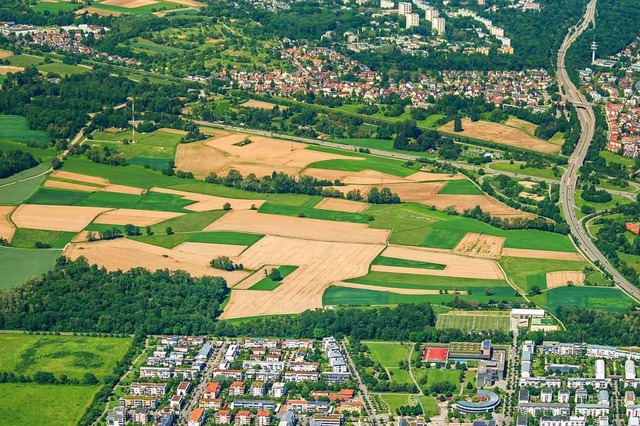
<point x="438" y="25"/>
<point x="404" y="8"/>
<point x="413" y="20"/>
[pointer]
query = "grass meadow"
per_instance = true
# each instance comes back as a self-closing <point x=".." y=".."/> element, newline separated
<point x="267" y="284"/>
<point x="527" y="273"/>
<point x="460" y="187"/>
<point x="16" y="265"/>
<point x="15" y="128"/>
<point x="26" y="238"/>
<point x="604" y="298"/>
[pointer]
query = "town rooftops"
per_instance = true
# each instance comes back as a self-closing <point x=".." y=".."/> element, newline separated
<point x="196" y="415"/>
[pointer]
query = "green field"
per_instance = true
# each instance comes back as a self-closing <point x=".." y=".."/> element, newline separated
<point x="18" y="189"/>
<point x="25" y="61"/>
<point x="389" y="355"/>
<point x="63" y="69"/>
<point x="139" y="10"/>
<point x="26" y="238"/>
<point x="220" y="237"/>
<point x="267" y="284"/>
<point x="56" y="7"/>
<point x="70" y="355"/>
<point x="526" y="273"/>
<point x="148" y="201"/>
<point x="155" y="148"/>
<point x="604" y="298"/>
<point x="336" y="296"/>
<point x="16" y="265"/>
<point x="392" y="261"/>
<point x="396" y="400"/>
<point x="437" y="375"/>
<point x="471" y="322"/>
<point x="429" y="405"/>
<point x="33" y="404"/>
<point x="527" y="171"/>
<point x="460" y="187"/>
<point x="310" y="212"/>
<point x="15" y="128"/>
<point x="361" y="162"/>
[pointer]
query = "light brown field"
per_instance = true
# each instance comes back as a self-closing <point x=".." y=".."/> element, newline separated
<point x="486" y="203"/>
<point x="455" y="265"/>
<point x="129" y="4"/>
<point x="422" y="192"/>
<point x="541" y="254"/>
<point x="564" y="278"/>
<point x="6" y="227"/>
<point x="55" y="218"/>
<point x="6" y="69"/>
<point x="501" y="134"/>
<point x="190" y="3"/>
<point x="174" y="131"/>
<point x="530" y="196"/>
<point x="373" y="177"/>
<point x="102" y="12"/>
<point x="125" y="254"/>
<point x="320" y="263"/>
<point x="211" y="250"/>
<point x="341" y="205"/>
<point x="205" y="203"/>
<point x="255" y="278"/>
<point x="69" y="185"/>
<point x="122" y="189"/>
<point x="4" y="54"/>
<point x="135" y="217"/>
<point x="262" y="156"/>
<point x="526" y="126"/>
<point x="261" y="105"/>
<point x="295" y="227"/>
<point x="80" y="177"/>
<point x="480" y="245"/>
<point x="395" y="290"/>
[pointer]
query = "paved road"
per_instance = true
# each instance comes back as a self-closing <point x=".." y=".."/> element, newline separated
<point x="570" y="177"/>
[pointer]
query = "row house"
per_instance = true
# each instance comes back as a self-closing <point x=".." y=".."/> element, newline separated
<point x="138" y="388"/>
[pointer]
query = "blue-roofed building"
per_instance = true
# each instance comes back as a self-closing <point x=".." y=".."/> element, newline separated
<point x="205" y="351"/>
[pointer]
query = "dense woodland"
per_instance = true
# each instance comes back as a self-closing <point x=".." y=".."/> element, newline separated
<point x="12" y="162"/>
<point x="81" y="297"/>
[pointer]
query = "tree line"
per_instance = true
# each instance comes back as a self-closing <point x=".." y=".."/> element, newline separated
<point x="12" y="162"/>
<point x="82" y="297"/>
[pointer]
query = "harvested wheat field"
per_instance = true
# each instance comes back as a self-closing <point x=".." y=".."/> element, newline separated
<point x="135" y="217"/>
<point x="55" y="218"/>
<point x="503" y="135"/>
<point x="296" y="227"/>
<point x="395" y="290"/>
<point x="340" y="205"/>
<point x="4" y="54"/>
<point x="6" y="69"/>
<point x="122" y="189"/>
<point x="204" y="203"/>
<point x="125" y="254"/>
<point x="211" y="250"/>
<point x="262" y="156"/>
<point x="58" y="184"/>
<point x="455" y="265"/>
<point x="417" y="192"/>
<point x="80" y="177"/>
<point x="320" y="263"/>
<point x="564" y="278"/>
<point x="6" y="227"/>
<point x="365" y="177"/>
<point x="480" y="245"/>
<point x="486" y="203"/>
<point x="190" y="3"/>
<point x="261" y="105"/>
<point x="541" y="254"/>
<point x="129" y="4"/>
<point x="173" y="131"/>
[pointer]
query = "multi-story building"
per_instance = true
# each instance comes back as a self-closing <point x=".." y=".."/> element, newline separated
<point x="562" y="421"/>
<point x="138" y="388"/>
<point x="412" y="20"/>
<point x="404" y="8"/>
<point x="438" y="25"/>
<point x="592" y="410"/>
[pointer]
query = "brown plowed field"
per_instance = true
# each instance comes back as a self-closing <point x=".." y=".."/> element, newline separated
<point x="6" y="227"/>
<point x="341" y="205"/>
<point x="564" y="278"/>
<point x="480" y="245"/>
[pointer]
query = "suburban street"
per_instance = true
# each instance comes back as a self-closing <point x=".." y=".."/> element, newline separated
<point x="570" y="177"/>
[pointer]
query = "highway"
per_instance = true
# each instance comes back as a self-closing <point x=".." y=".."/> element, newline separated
<point x="570" y="176"/>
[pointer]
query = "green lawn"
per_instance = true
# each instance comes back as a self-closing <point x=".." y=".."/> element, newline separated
<point x="611" y="157"/>
<point x="616" y="200"/>
<point x="155" y="148"/>
<point x="70" y="355"/>
<point x="190" y="222"/>
<point x="460" y="187"/>
<point x="56" y="7"/>
<point x="26" y="238"/>
<point x="15" y="128"/>
<point x="392" y="261"/>
<point x="132" y="175"/>
<point x="25" y="61"/>
<point x="361" y="162"/>
<point x="526" y="273"/>
<point x="437" y="375"/>
<point x="383" y="144"/>
<point x="148" y="201"/>
<point x="268" y="284"/>
<point x="388" y="354"/>
<point x="139" y="10"/>
<point x="63" y="69"/>
<point x="16" y="265"/>
<point x="54" y="405"/>
<point x="605" y="298"/>
<point x="527" y="171"/>
<point x="395" y="401"/>
<point x="471" y="322"/>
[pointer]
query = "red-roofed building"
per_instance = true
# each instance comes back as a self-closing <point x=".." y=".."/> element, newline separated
<point x="350" y="407"/>
<point x="236" y="389"/>
<point x="197" y="417"/>
<point x="211" y="403"/>
<point x="633" y="227"/>
<point x="263" y="418"/>
<point x="223" y="417"/>
<point x="243" y="417"/>
<point x="212" y="390"/>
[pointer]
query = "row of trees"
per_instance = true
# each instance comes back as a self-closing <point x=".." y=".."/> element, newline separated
<point x="12" y="162"/>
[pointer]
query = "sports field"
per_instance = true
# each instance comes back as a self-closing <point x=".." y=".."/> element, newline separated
<point x="468" y="321"/>
<point x="16" y="265"/>
<point x="70" y="355"/>
<point x="30" y="403"/>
